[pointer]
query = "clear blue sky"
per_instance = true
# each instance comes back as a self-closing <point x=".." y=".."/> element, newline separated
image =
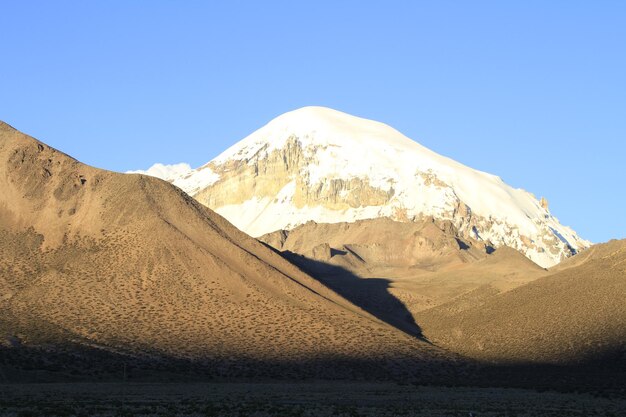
<point x="533" y="91"/>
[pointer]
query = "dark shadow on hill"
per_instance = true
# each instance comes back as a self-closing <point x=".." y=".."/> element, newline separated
<point x="602" y="375"/>
<point x="73" y="362"/>
<point x="60" y="356"/>
<point x="371" y="294"/>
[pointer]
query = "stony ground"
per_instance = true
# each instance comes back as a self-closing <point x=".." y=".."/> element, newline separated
<point x="310" y="399"/>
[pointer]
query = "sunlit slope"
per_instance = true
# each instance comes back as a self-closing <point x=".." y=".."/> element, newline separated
<point x="132" y="263"/>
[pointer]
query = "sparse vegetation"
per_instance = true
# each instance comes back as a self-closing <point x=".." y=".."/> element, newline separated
<point x="293" y="400"/>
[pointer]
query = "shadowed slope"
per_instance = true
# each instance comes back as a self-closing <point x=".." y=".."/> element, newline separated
<point x="577" y="313"/>
<point x="130" y="262"/>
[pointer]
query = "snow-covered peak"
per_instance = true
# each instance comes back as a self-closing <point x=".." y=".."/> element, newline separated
<point x="165" y="172"/>
<point x="181" y="175"/>
<point x="320" y="164"/>
<point x="350" y="146"/>
<point x="320" y="126"/>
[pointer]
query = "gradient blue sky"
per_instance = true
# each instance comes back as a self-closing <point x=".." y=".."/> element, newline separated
<point x="533" y="91"/>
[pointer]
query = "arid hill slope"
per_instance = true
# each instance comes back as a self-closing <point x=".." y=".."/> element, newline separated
<point x="576" y="313"/>
<point x="368" y="245"/>
<point x="133" y="264"/>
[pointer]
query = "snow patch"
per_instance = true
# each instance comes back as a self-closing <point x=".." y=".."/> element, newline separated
<point x="165" y="172"/>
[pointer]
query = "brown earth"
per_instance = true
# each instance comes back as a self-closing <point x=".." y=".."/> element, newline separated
<point x="576" y="313"/>
<point x="130" y="263"/>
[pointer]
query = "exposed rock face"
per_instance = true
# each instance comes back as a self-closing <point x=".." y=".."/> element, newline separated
<point x="317" y="164"/>
<point x="266" y="176"/>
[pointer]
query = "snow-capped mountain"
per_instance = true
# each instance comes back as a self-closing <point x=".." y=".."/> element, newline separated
<point x="318" y="164"/>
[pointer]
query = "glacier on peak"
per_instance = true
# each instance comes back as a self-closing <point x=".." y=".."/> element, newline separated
<point x="322" y="165"/>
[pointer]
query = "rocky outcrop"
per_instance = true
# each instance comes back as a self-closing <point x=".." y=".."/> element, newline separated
<point x="268" y="172"/>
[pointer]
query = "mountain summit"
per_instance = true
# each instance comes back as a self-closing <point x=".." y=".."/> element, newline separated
<point x="322" y="165"/>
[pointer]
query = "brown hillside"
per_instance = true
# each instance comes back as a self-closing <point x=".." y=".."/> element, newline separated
<point x="576" y="313"/>
<point x="131" y="263"/>
<point x="367" y="245"/>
